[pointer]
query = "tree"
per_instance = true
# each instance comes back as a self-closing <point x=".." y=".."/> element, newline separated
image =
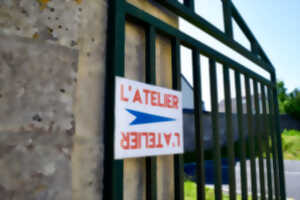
<point x="282" y="96"/>
<point x="292" y="105"/>
<point x="288" y="103"/>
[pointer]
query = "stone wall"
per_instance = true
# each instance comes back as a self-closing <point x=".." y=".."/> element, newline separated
<point x="52" y="75"/>
<point x="52" y="91"/>
<point x="37" y="122"/>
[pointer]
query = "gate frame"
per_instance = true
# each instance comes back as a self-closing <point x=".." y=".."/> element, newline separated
<point x="118" y="12"/>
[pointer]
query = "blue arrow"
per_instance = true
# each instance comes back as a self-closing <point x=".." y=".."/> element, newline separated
<point x="145" y="118"/>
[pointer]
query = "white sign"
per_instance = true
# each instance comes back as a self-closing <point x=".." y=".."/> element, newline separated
<point x="148" y="120"/>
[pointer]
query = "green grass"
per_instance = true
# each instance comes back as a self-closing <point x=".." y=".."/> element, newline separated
<point x="291" y="149"/>
<point x="190" y="192"/>
<point x="291" y="144"/>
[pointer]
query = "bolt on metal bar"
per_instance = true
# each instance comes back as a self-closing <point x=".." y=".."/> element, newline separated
<point x="267" y="142"/>
<point x="215" y="129"/>
<point x="274" y="145"/>
<point x="258" y="137"/>
<point x="251" y="145"/>
<point x="113" y="169"/>
<point x="199" y="134"/>
<point x="178" y="159"/>
<point x="151" y="178"/>
<point x="227" y="16"/>
<point x="229" y="134"/>
<point x="242" y="143"/>
<point x="189" y="4"/>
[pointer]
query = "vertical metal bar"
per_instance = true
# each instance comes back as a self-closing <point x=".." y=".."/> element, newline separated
<point x="279" y="143"/>
<point x="258" y="138"/>
<point x="199" y="134"/>
<point x="113" y="169"/>
<point x="274" y="144"/>
<point x="190" y="4"/>
<point x="227" y="15"/>
<point x="242" y="143"/>
<point x="267" y="142"/>
<point x="251" y="139"/>
<point x="229" y="134"/>
<point x="151" y="184"/>
<point x="176" y="81"/>
<point x="215" y="129"/>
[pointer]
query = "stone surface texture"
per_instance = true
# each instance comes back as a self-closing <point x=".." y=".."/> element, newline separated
<point x="52" y="81"/>
<point x="37" y="123"/>
<point x="51" y="93"/>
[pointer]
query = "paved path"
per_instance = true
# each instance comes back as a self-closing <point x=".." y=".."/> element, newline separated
<point x="292" y="175"/>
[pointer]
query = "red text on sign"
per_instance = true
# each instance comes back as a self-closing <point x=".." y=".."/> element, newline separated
<point x="148" y="140"/>
<point x="148" y="97"/>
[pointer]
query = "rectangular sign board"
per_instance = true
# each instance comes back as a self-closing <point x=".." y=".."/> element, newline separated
<point x="148" y="120"/>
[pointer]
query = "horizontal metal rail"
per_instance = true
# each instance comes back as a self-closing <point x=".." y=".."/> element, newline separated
<point x="262" y="121"/>
<point x="192" y="17"/>
<point x="192" y="43"/>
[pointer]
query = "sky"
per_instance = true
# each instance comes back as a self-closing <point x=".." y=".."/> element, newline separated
<point x="276" y="26"/>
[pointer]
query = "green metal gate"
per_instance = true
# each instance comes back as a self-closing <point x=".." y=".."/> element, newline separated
<point x="264" y="140"/>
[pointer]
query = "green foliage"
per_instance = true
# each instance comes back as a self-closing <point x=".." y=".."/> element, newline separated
<point x="288" y="103"/>
<point x="291" y="132"/>
<point x="282" y="96"/>
<point x="291" y="144"/>
<point x="292" y="105"/>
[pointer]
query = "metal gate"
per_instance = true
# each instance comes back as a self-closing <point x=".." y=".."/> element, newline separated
<point x="264" y="141"/>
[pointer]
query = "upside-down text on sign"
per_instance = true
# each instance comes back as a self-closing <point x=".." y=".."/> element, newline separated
<point x="148" y="120"/>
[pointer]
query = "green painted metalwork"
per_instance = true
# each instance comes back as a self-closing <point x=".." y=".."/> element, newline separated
<point x="242" y="141"/>
<point x="251" y="143"/>
<point x="151" y="190"/>
<point x="176" y="83"/>
<point x="262" y="139"/>
<point x="191" y="43"/>
<point x="258" y="140"/>
<point x="203" y="24"/>
<point x="267" y="142"/>
<point x="199" y="134"/>
<point x="274" y="144"/>
<point x="279" y="142"/>
<point x="229" y="132"/>
<point x="189" y="4"/>
<point x="215" y="129"/>
<point x="113" y="174"/>
<point x="227" y="15"/>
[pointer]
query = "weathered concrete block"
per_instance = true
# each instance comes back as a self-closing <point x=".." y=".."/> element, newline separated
<point x="37" y="84"/>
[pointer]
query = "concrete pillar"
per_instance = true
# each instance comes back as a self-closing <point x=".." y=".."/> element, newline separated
<point x="52" y="73"/>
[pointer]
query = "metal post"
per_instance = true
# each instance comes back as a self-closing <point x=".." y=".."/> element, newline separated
<point x="199" y="134"/>
<point x="242" y="139"/>
<point x="113" y="169"/>
<point x="215" y="129"/>
<point x="229" y="134"/>
<point x="151" y="190"/>
<point x="178" y="159"/>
